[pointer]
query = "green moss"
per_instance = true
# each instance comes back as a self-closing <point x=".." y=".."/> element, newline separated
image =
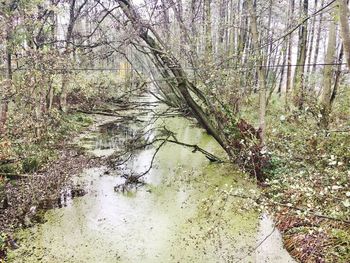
<point x="31" y="164"/>
<point x="2" y="241"/>
<point x="73" y="123"/>
<point x="8" y="169"/>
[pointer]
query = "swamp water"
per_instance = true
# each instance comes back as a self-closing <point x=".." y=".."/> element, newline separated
<point x="186" y="211"/>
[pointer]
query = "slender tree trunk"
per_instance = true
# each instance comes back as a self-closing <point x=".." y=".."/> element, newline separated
<point x="222" y="27"/>
<point x="269" y="33"/>
<point x="7" y="86"/>
<point x="328" y="76"/>
<point x="299" y="77"/>
<point x="232" y="32"/>
<point x="261" y="71"/>
<point x="166" y="21"/>
<point x="63" y="94"/>
<point x="337" y="75"/>
<point x="344" y="28"/>
<point x="311" y="48"/>
<point x="207" y="29"/>
<point x="311" y="40"/>
<point x="242" y="31"/>
<point x="289" y="55"/>
<point x="318" y="40"/>
<point x="184" y="39"/>
<point x="73" y="16"/>
<point x="285" y="56"/>
<point x="194" y="42"/>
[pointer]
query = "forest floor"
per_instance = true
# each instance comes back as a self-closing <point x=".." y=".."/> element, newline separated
<point x="308" y="190"/>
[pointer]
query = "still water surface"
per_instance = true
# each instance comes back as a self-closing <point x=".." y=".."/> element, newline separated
<point x="184" y="213"/>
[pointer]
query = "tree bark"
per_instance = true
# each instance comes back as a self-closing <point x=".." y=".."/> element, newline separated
<point x="337" y="76"/>
<point x="311" y="48"/>
<point x="299" y="76"/>
<point x="63" y="93"/>
<point x="5" y="100"/>
<point x="207" y="30"/>
<point x="73" y="16"/>
<point x="344" y="28"/>
<point x="261" y="71"/>
<point x="289" y="56"/>
<point x="318" y="40"/>
<point x="166" y="21"/>
<point x="327" y="78"/>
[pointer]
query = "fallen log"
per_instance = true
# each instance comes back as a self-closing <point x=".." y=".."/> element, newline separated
<point x="93" y="112"/>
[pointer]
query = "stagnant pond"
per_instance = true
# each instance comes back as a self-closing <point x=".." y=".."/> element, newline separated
<point x="188" y="210"/>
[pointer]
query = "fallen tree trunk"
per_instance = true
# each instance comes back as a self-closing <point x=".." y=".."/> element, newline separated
<point x="93" y="112"/>
<point x="241" y="141"/>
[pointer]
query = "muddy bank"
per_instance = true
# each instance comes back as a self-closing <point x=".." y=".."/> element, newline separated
<point x="25" y="199"/>
<point x="25" y="196"/>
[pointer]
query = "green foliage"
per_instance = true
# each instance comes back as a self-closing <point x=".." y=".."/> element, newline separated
<point x="340" y="251"/>
<point x="3" y="238"/>
<point x="32" y="156"/>
<point x="94" y="88"/>
<point x="310" y="170"/>
<point x="8" y="169"/>
<point x="73" y="123"/>
<point x="341" y="109"/>
<point x="30" y="164"/>
<point x="277" y="166"/>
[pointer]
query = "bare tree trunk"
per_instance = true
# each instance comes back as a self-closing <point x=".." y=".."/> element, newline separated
<point x="63" y="94"/>
<point x="166" y="21"/>
<point x="318" y="40"/>
<point x="285" y="55"/>
<point x="7" y="87"/>
<point x="222" y="27"/>
<point x="193" y="27"/>
<point x="337" y="76"/>
<point x="344" y="28"/>
<point x="261" y="72"/>
<point x="73" y="16"/>
<point x="242" y="38"/>
<point x="194" y="42"/>
<point x="183" y="31"/>
<point x="328" y="76"/>
<point x="269" y="33"/>
<point x="299" y="77"/>
<point x="207" y="29"/>
<point x="311" y="47"/>
<point x="232" y="31"/>
<point x="289" y="56"/>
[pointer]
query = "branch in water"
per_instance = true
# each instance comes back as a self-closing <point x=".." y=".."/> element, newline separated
<point x="196" y="148"/>
<point x="135" y="179"/>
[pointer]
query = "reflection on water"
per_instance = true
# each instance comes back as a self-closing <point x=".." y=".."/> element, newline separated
<point x="183" y="214"/>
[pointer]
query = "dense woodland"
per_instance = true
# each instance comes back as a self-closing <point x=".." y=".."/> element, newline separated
<point x="269" y="80"/>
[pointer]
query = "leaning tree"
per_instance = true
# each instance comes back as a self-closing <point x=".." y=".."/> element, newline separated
<point x="242" y="142"/>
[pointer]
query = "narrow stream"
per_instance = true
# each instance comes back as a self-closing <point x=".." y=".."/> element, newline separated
<point x="186" y="212"/>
